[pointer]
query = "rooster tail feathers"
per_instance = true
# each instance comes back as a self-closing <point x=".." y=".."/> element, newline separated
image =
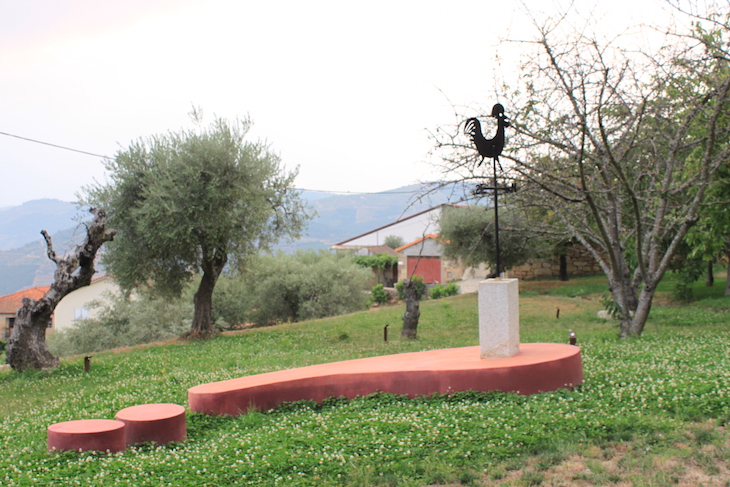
<point x="472" y="127"/>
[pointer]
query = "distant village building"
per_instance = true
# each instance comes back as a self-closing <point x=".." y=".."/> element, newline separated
<point x="410" y="228"/>
<point x="423" y="253"/>
<point x="73" y="307"/>
<point x="423" y="257"/>
<point x="78" y="304"/>
<point x="9" y="305"/>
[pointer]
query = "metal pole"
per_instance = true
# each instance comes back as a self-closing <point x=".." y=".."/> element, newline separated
<point x="496" y="219"/>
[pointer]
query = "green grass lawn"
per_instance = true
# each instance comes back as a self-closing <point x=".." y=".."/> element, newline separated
<point x="652" y="410"/>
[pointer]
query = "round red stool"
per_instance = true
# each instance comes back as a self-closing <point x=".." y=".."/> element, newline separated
<point x="160" y="423"/>
<point x="87" y="434"/>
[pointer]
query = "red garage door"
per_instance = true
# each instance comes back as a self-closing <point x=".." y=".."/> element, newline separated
<point x="427" y="267"/>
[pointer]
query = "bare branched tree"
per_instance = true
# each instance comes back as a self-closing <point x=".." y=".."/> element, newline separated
<point x="616" y="147"/>
<point x="27" y="347"/>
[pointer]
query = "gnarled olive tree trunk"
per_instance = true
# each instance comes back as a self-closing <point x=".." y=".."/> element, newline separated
<point x="413" y="312"/>
<point x="202" y="326"/>
<point x="27" y="346"/>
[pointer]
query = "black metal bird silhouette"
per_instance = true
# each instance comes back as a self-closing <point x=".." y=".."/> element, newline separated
<point x="488" y="147"/>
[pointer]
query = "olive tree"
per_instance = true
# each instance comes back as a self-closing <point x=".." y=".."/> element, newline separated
<point x="394" y="241"/>
<point x="306" y="285"/>
<point x="27" y="348"/>
<point x="616" y="147"/>
<point x="195" y="201"/>
<point x="469" y="236"/>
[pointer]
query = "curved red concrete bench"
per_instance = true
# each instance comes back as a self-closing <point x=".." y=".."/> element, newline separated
<point x="87" y="434"/>
<point x="537" y="367"/>
<point x="159" y="423"/>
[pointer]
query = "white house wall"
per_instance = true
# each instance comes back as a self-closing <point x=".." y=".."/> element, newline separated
<point x="409" y="230"/>
<point x="73" y="304"/>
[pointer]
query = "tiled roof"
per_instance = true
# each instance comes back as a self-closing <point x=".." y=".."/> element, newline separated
<point x="434" y="236"/>
<point x="10" y="303"/>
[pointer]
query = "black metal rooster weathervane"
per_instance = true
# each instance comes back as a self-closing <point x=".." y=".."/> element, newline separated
<point x="491" y="148"/>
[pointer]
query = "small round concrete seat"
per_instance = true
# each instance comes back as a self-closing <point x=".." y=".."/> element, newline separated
<point x="159" y="423"/>
<point x="87" y="434"/>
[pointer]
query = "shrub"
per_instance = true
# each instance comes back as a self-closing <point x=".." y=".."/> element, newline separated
<point x="440" y="291"/>
<point x="379" y="261"/>
<point x="284" y="287"/>
<point x="231" y="301"/>
<point x="124" y="323"/>
<point x="306" y="285"/>
<point x="451" y="289"/>
<point x="688" y="271"/>
<point x="379" y="295"/>
<point x="381" y="264"/>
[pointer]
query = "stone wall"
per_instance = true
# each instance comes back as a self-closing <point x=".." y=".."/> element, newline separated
<point x="580" y="263"/>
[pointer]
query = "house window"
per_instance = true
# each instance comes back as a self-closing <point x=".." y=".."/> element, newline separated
<point x="9" y="328"/>
<point x="81" y="313"/>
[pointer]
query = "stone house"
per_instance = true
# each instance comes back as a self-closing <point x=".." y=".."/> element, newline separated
<point x="576" y="262"/>
<point x="423" y="257"/>
<point x="422" y="251"/>
<point x="423" y="254"/>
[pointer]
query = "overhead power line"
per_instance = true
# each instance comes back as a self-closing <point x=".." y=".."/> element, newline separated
<point x="54" y="145"/>
<point x="355" y="192"/>
<point x="107" y="157"/>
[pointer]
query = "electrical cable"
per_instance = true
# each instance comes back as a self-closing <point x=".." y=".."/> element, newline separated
<point x="54" y="145"/>
<point x="297" y="189"/>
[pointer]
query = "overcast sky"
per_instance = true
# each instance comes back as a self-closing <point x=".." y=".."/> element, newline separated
<point x="345" y="90"/>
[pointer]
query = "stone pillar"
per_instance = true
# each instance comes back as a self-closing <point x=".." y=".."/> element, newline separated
<point x="499" y="318"/>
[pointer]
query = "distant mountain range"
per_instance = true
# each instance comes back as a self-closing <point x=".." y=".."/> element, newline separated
<point x="342" y="216"/>
<point x="23" y="260"/>
<point x="22" y="224"/>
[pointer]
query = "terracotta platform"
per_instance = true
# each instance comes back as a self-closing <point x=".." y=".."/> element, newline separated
<point x="87" y="434"/>
<point x="158" y="423"/>
<point x="537" y="367"/>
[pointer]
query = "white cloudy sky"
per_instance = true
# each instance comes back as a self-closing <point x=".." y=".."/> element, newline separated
<point x="345" y="90"/>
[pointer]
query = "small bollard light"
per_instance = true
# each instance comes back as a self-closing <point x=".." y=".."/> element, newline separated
<point x="571" y="337"/>
<point x="87" y="363"/>
<point x="385" y="333"/>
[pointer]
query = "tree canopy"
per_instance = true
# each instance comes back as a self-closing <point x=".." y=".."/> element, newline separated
<point x="616" y="147"/>
<point x="469" y="236"/>
<point x="394" y="241"/>
<point x="306" y="285"/>
<point x="195" y="201"/>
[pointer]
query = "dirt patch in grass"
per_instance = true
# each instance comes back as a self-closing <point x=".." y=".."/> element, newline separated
<point x="685" y="464"/>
